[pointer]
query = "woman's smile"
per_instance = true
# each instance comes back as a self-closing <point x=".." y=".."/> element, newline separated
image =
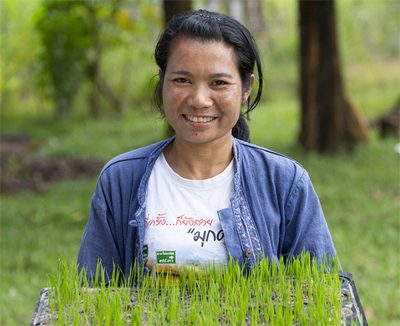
<point x="198" y="119"/>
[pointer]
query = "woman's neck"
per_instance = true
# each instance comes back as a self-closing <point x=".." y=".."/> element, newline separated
<point x="198" y="161"/>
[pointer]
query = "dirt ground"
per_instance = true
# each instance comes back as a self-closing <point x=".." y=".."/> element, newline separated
<point x="21" y="168"/>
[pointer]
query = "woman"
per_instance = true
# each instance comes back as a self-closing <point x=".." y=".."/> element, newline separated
<point x="203" y="195"/>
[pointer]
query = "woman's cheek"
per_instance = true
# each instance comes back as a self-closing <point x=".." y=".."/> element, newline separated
<point x="229" y="99"/>
<point x="173" y="95"/>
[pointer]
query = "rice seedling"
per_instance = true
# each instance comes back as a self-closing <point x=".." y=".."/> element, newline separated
<point x="300" y="291"/>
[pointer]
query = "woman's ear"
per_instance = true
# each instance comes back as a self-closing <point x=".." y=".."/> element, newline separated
<point x="248" y="90"/>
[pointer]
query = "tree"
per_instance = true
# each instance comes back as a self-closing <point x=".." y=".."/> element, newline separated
<point x="329" y="119"/>
<point x="236" y="9"/>
<point x="171" y="9"/>
<point x="254" y="19"/>
<point x="249" y="13"/>
<point x="72" y="50"/>
<point x="175" y="7"/>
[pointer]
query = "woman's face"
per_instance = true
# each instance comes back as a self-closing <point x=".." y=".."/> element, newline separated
<point x="202" y="91"/>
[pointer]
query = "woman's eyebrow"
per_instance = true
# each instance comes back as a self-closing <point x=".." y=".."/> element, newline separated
<point x="220" y="75"/>
<point x="181" y="72"/>
<point x="213" y="75"/>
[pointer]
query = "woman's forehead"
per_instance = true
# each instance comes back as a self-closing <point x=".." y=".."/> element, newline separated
<point x="198" y="49"/>
<point x="187" y="39"/>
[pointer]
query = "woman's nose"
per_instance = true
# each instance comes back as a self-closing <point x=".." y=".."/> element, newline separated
<point x="200" y="97"/>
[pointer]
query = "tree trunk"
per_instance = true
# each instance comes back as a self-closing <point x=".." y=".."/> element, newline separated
<point x="236" y="9"/>
<point x="213" y="5"/>
<point x="105" y="90"/>
<point x="329" y="120"/>
<point x="172" y="8"/>
<point x="254" y="19"/>
<point x="98" y="85"/>
<point x="175" y="7"/>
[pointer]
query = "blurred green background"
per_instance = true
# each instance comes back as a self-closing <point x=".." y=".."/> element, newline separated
<point x="43" y="214"/>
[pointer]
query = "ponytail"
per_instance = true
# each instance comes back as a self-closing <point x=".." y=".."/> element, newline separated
<point x="241" y="129"/>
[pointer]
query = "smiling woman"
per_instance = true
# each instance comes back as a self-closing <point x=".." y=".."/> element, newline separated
<point x="204" y="196"/>
<point x="203" y="92"/>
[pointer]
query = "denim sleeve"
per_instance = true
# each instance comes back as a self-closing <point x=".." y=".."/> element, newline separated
<point x="305" y="225"/>
<point x="98" y="242"/>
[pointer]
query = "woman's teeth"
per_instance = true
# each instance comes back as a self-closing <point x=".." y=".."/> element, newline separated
<point x="194" y="118"/>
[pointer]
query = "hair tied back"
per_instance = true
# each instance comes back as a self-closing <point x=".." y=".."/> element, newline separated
<point x="205" y="14"/>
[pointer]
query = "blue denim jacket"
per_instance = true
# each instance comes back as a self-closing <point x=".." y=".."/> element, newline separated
<point x="274" y="210"/>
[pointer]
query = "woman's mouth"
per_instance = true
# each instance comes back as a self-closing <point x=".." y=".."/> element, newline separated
<point x="198" y="119"/>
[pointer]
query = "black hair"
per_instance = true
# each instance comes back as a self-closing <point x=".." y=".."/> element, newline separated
<point x="211" y="26"/>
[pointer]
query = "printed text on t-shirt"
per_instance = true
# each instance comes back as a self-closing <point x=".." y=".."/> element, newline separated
<point x="181" y="220"/>
<point x="205" y="237"/>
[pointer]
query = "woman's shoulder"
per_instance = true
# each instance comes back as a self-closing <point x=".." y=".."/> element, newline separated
<point x="258" y="155"/>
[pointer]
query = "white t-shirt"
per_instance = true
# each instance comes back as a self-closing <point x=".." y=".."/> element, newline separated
<point x="182" y="224"/>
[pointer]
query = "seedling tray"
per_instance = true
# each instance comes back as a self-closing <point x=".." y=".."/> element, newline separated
<point x="351" y="311"/>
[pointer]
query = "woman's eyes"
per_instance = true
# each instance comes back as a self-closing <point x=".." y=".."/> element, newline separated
<point x="214" y="83"/>
<point x="219" y="83"/>
<point x="181" y="80"/>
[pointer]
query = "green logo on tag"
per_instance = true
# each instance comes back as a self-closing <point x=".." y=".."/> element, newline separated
<point x="165" y="257"/>
<point x="145" y="251"/>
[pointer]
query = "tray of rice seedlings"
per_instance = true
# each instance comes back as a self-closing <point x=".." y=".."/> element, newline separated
<point x="301" y="291"/>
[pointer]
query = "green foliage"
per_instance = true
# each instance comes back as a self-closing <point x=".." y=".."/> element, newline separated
<point x="65" y="33"/>
<point x="19" y="45"/>
<point x="367" y="32"/>
<point x="69" y="34"/>
<point x="362" y="34"/>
